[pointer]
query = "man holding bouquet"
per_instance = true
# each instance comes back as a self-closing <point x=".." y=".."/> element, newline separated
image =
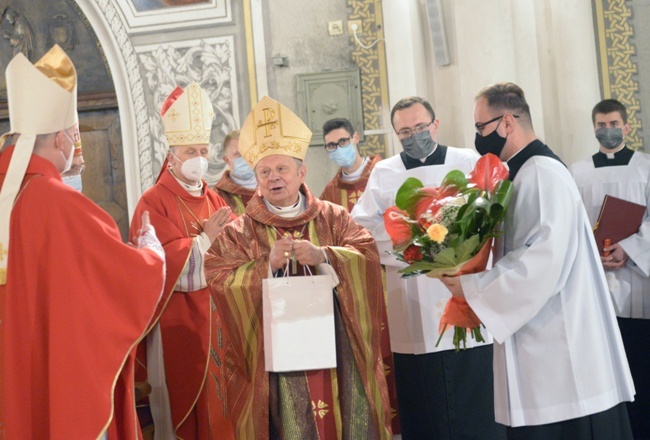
<point x="441" y="393"/>
<point x="560" y="370"/>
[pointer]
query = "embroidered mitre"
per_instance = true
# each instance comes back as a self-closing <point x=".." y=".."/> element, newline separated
<point x="187" y="116"/>
<point x="270" y="129"/>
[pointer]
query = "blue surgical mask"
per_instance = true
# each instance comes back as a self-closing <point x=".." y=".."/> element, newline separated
<point x="344" y="156"/>
<point x="241" y="169"/>
<point x="74" y="181"/>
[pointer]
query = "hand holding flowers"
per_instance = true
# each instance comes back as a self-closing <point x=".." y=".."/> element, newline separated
<point x="448" y="230"/>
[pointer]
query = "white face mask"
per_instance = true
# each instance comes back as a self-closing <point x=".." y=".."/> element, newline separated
<point x="68" y="161"/>
<point x="73" y="181"/>
<point x="195" y="168"/>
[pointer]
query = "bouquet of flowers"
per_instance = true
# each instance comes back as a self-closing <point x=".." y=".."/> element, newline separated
<point x="449" y="231"/>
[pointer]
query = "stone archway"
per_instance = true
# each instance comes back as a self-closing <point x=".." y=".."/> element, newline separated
<point x="107" y="23"/>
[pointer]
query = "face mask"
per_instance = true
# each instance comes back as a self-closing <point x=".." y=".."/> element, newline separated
<point x="609" y="138"/>
<point x="241" y="169"/>
<point x="418" y="146"/>
<point x="73" y="181"/>
<point x="68" y="160"/>
<point x="344" y="156"/>
<point x="492" y="143"/>
<point x="193" y="169"/>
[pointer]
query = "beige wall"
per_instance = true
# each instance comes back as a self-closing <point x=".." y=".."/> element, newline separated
<point x="545" y="46"/>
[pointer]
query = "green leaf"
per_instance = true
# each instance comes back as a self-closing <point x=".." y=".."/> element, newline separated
<point x="455" y="178"/>
<point x="408" y="194"/>
<point x="502" y="193"/>
<point x="420" y="266"/>
<point x="467" y="249"/>
<point x="446" y="258"/>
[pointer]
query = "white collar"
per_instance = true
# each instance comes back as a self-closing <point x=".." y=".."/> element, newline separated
<point x="194" y="190"/>
<point x="356" y="174"/>
<point x="288" y="211"/>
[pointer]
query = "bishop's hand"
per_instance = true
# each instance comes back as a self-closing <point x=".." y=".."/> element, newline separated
<point x="280" y="253"/>
<point x="215" y="224"/>
<point x="307" y="253"/>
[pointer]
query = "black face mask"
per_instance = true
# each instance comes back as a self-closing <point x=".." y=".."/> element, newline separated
<point x="492" y="143"/>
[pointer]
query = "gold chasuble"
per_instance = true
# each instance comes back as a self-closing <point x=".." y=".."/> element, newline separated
<point x="236" y="196"/>
<point x="349" y="401"/>
<point x="347" y="194"/>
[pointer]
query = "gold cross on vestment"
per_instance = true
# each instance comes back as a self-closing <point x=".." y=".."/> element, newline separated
<point x="3" y="252"/>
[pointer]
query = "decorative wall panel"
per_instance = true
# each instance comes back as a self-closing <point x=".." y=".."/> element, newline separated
<point x="372" y="66"/>
<point x="208" y="62"/>
<point x="618" y="62"/>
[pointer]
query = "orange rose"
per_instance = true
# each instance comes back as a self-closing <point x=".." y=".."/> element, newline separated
<point x="437" y="232"/>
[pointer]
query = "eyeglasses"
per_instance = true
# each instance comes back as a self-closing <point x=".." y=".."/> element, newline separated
<point x="481" y="125"/>
<point x="408" y="132"/>
<point x="75" y="169"/>
<point x="343" y="142"/>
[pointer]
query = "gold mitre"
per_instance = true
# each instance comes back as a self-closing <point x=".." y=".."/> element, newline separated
<point x="187" y="116"/>
<point x="270" y="129"/>
<point x="42" y="99"/>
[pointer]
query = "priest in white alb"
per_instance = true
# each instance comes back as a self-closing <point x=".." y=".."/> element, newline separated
<point x="560" y="370"/>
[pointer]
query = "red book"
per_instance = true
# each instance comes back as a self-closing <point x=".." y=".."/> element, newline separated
<point x="618" y="219"/>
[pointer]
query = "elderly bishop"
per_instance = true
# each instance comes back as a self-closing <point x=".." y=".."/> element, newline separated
<point x="284" y="221"/>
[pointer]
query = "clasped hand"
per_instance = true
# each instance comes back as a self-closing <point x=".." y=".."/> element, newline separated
<point x="616" y="258"/>
<point x="305" y="253"/>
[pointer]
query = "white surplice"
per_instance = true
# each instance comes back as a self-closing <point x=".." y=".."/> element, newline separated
<point x="629" y="285"/>
<point x="558" y="353"/>
<point x="415" y="305"/>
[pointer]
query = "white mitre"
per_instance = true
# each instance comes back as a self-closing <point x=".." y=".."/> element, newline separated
<point x="42" y="99"/>
<point x="187" y="116"/>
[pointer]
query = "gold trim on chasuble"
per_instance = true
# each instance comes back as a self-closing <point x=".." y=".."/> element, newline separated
<point x="198" y="226"/>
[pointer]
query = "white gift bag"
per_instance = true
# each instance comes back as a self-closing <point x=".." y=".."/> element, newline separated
<point x="298" y="314"/>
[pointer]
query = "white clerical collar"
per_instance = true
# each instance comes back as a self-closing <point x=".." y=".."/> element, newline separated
<point x="288" y="211"/>
<point x="356" y="174"/>
<point x="435" y="147"/>
<point x="248" y="183"/>
<point x="194" y="190"/>
<point x="611" y="154"/>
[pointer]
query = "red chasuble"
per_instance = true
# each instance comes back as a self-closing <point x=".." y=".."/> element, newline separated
<point x="347" y="194"/>
<point x="352" y="398"/>
<point x="76" y="302"/>
<point x="190" y="325"/>
<point x="236" y="196"/>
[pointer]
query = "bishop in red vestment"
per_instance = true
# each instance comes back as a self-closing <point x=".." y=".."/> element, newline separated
<point x="189" y="392"/>
<point x="74" y="299"/>
<point x="283" y="219"/>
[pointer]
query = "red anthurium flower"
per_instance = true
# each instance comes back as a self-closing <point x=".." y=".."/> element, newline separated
<point x="488" y="171"/>
<point x="434" y="199"/>
<point x="397" y="225"/>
